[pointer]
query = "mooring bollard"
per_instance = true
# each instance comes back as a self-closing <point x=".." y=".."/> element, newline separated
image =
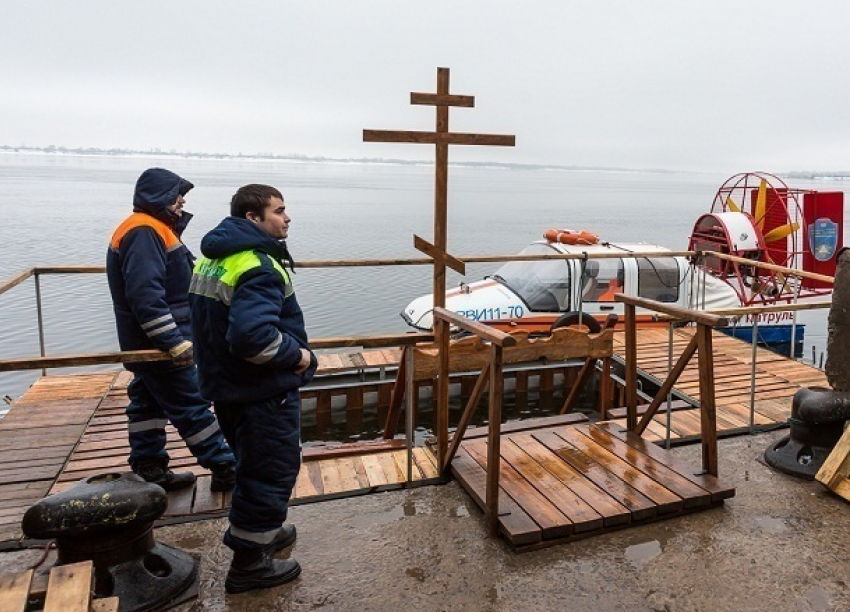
<point x="817" y="422"/>
<point x="109" y="519"/>
<point x="817" y="414"/>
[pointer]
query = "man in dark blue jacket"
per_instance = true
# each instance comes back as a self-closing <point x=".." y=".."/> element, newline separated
<point x="253" y="355"/>
<point x="149" y="270"/>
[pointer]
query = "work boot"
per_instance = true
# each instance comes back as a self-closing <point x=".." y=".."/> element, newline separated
<point x="257" y="569"/>
<point x="223" y="477"/>
<point x="284" y="538"/>
<point x="157" y="472"/>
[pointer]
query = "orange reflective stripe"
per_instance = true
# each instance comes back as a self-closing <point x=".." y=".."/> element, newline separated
<point x="142" y="220"/>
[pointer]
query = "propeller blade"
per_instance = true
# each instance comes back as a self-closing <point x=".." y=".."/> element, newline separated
<point x="780" y="232"/>
<point x="730" y="204"/>
<point x="761" y="200"/>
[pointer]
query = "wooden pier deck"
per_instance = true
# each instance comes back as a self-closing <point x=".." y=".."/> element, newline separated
<point x="68" y="427"/>
<point x="777" y="379"/>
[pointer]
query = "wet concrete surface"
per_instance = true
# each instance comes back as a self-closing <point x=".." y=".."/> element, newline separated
<point x="779" y="545"/>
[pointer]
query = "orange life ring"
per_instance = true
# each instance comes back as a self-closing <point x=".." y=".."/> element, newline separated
<point x="566" y="236"/>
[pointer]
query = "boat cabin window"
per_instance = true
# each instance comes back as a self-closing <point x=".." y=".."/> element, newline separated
<point x="603" y="279"/>
<point x="658" y="279"/>
<point x="544" y="286"/>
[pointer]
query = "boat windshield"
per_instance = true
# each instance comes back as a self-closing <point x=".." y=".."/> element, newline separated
<point x="543" y="285"/>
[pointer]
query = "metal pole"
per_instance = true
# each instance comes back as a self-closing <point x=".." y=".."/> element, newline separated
<point x="40" y="318"/>
<point x="792" y="353"/>
<point x="753" y="374"/>
<point x="409" y="408"/>
<point x="669" y="393"/>
<point x="581" y="288"/>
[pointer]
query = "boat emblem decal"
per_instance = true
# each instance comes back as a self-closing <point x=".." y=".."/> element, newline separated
<point x="823" y="238"/>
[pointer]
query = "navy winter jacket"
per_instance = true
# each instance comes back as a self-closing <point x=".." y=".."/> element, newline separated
<point x="149" y="269"/>
<point x="246" y="322"/>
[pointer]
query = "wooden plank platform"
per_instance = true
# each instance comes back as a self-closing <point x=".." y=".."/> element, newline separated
<point x="70" y="427"/>
<point x="558" y="484"/>
<point x="777" y="379"/>
<point x="68" y="588"/>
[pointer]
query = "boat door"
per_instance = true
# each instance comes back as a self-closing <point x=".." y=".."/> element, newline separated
<point x="657" y="278"/>
<point x="602" y="280"/>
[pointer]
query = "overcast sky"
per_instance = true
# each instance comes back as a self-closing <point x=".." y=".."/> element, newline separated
<point x="630" y="83"/>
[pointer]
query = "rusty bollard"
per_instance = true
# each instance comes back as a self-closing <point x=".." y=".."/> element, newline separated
<point x="109" y="519"/>
<point x="817" y="414"/>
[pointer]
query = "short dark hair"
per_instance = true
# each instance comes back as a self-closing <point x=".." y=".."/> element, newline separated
<point x="252" y="198"/>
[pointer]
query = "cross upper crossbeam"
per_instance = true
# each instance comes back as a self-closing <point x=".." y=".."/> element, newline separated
<point x="429" y="99"/>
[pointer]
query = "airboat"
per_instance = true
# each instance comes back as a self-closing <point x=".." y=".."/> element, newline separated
<point x="746" y="251"/>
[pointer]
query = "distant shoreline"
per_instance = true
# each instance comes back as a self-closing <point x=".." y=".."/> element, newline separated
<point x="296" y="158"/>
<point x="813" y="175"/>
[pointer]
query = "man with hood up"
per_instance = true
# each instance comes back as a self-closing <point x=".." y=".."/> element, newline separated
<point x="149" y="269"/>
<point x="253" y="356"/>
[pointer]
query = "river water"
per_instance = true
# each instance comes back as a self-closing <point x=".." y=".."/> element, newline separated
<point x="61" y="210"/>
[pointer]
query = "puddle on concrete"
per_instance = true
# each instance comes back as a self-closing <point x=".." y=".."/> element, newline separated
<point x="373" y="519"/>
<point x="190" y="541"/>
<point x="771" y="525"/>
<point x="459" y="512"/>
<point x="639" y="554"/>
<point x="416" y="572"/>
<point x="817" y="599"/>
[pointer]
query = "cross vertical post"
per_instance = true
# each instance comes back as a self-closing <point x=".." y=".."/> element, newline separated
<point x="441" y="328"/>
<point x="441" y="138"/>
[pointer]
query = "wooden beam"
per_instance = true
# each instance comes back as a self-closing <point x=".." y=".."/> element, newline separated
<point x="437" y="255"/>
<point x="675" y="311"/>
<point x="479" y="329"/>
<point x="391" y="424"/>
<point x="494" y="441"/>
<point x="707" y="406"/>
<point x="70" y="270"/>
<point x="466" y="417"/>
<point x="71" y="361"/>
<point x="631" y="367"/>
<point x="583" y="376"/>
<point x="439" y="138"/>
<point x="667" y="386"/>
<point x="441" y="327"/>
<point x="429" y="99"/>
<point x="14" y="281"/>
<point x="768" y="266"/>
<point x="378" y="341"/>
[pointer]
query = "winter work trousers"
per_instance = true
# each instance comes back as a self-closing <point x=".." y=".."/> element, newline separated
<point x="266" y="439"/>
<point x="172" y="395"/>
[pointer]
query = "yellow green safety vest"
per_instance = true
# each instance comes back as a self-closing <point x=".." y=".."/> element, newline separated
<point x="217" y="278"/>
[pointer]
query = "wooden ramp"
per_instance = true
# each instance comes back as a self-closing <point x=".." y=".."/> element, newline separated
<point x="777" y="379"/>
<point x="563" y="483"/>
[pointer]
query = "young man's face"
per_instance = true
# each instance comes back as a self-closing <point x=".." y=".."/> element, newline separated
<point x="275" y="222"/>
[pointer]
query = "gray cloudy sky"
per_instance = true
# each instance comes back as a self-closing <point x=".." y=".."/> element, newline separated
<point x="630" y="83"/>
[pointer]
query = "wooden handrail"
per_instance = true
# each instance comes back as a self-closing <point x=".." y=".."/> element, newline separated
<point x="380" y="341"/>
<point x="756" y="310"/>
<point x="15" y="280"/>
<point x="678" y="312"/>
<point x="495" y="336"/>
<point x="70" y="361"/>
<point x="768" y="266"/>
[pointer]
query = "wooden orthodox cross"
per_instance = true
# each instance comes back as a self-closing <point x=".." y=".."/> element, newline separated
<point x="442" y="138"/>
